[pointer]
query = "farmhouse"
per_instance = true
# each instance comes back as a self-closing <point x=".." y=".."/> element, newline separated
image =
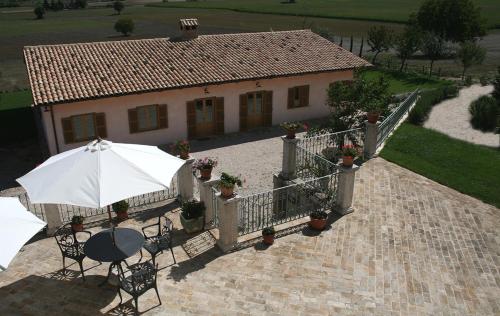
<point x="155" y="91"/>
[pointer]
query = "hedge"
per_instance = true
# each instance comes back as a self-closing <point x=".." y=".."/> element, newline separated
<point x="428" y="98"/>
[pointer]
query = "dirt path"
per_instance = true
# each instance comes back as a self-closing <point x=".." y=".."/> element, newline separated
<point x="452" y="117"/>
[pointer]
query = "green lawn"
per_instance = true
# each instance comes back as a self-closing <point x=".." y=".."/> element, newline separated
<point x="372" y="10"/>
<point x="465" y="167"/>
<point x="404" y="82"/>
<point x="15" y="99"/>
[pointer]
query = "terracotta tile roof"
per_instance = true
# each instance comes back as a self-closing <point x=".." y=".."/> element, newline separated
<point x="188" y="22"/>
<point x="71" y="72"/>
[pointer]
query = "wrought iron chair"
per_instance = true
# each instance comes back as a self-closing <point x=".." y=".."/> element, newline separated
<point x="161" y="239"/>
<point x="70" y="247"/>
<point x="137" y="280"/>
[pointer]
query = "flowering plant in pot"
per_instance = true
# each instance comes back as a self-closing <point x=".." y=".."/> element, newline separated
<point x="182" y="147"/>
<point x="318" y="220"/>
<point x="290" y="128"/>
<point x="192" y="218"/>
<point x="349" y="152"/>
<point x="77" y="223"/>
<point x="268" y="235"/>
<point x="205" y="165"/>
<point x="121" y="208"/>
<point x="227" y="184"/>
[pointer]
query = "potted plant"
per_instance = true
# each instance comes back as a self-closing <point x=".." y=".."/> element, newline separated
<point x="290" y="128"/>
<point x="192" y="219"/>
<point x="227" y="184"/>
<point x="121" y="209"/>
<point x="77" y="223"/>
<point x="182" y="147"/>
<point x="349" y="152"/>
<point x="375" y="98"/>
<point x="318" y="220"/>
<point x="205" y="165"/>
<point x="268" y="235"/>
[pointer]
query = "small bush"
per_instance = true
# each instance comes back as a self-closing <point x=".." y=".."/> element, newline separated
<point x="120" y="206"/>
<point x="192" y="209"/>
<point x="484" y="80"/>
<point x="468" y="81"/>
<point x="124" y="26"/>
<point x="450" y="91"/>
<point x="484" y="112"/>
<point x="39" y="12"/>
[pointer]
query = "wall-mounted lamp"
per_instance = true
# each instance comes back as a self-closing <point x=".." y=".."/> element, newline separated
<point x="206" y="90"/>
<point x="46" y="109"/>
<point x="257" y="84"/>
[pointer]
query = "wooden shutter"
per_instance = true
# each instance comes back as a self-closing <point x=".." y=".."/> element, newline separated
<point x="67" y="126"/>
<point x="162" y="116"/>
<point x="100" y="125"/>
<point x="191" y="119"/>
<point x="133" y="121"/>
<point x="290" y="97"/>
<point x="304" y="95"/>
<point x="219" y="116"/>
<point x="268" y="108"/>
<point x="243" y="112"/>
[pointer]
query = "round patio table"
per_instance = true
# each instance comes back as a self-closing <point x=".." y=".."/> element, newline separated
<point x="114" y="246"/>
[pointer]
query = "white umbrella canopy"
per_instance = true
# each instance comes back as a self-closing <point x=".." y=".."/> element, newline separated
<point x="100" y="174"/>
<point x="17" y="226"/>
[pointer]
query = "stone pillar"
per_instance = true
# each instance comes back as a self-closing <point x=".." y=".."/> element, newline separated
<point x="52" y="217"/>
<point x="289" y="165"/>
<point x="185" y="181"/>
<point x="370" y="139"/>
<point x="345" y="189"/>
<point x="228" y="222"/>
<point x="205" y="187"/>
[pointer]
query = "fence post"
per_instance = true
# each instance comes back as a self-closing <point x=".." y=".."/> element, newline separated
<point x="185" y="181"/>
<point x="289" y="164"/>
<point x="371" y="133"/>
<point x="205" y="187"/>
<point x="53" y="218"/>
<point x="345" y="189"/>
<point x="228" y="222"/>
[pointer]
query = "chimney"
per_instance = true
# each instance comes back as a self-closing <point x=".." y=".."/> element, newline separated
<point x="189" y="28"/>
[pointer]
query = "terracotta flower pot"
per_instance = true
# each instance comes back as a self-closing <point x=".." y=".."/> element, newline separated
<point x="290" y="134"/>
<point x="268" y="239"/>
<point x="77" y="227"/>
<point x="373" y="117"/>
<point x="184" y="155"/>
<point x="318" y="224"/>
<point x="227" y="192"/>
<point x="347" y="161"/>
<point x="206" y="174"/>
<point x="122" y="215"/>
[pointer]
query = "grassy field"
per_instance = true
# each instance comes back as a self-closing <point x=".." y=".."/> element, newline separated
<point x="465" y="167"/>
<point x="404" y="82"/>
<point x="371" y="10"/>
<point x="15" y="99"/>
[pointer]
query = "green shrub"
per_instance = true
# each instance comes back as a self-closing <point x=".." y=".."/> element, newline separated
<point x="450" y="91"/>
<point x="124" y="26"/>
<point x="120" y="206"/>
<point x="484" y="112"/>
<point x="468" y="81"/>
<point x="39" y="12"/>
<point x="192" y="209"/>
<point x="484" y="80"/>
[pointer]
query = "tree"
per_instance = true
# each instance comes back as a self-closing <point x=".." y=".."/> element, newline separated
<point x="452" y="20"/>
<point x="379" y="39"/>
<point x="496" y="86"/>
<point x="80" y="4"/>
<point x="118" y="6"/>
<point x="408" y="43"/>
<point x="46" y="5"/>
<point x="39" y="11"/>
<point x="469" y="54"/>
<point x="124" y="26"/>
<point x="433" y="48"/>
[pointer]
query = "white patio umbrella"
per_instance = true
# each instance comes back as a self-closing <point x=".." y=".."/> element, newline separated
<point x="17" y="226"/>
<point x="100" y="174"/>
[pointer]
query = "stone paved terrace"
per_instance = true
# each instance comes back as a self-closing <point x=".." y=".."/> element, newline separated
<point x="412" y="247"/>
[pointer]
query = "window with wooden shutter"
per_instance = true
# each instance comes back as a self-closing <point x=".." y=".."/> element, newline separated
<point x="243" y="112"/>
<point x="298" y="96"/>
<point x="268" y="108"/>
<point x="191" y="119"/>
<point x="84" y="127"/>
<point x="148" y="118"/>
<point x="219" y="116"/>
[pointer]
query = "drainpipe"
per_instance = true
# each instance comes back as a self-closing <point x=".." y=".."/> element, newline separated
<point x="54" y="128"/>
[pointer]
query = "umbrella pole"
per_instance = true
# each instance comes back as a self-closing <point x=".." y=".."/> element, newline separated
<point x="109" y="215"/>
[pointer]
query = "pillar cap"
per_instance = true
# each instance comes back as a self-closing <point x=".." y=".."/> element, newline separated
<point x="236" y="197"/>
<point x="288" y="140"/>
<point x="211" y="181"/>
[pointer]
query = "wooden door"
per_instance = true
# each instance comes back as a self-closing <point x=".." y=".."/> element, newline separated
<point x="255" y="109"/>
<point x="205" y="117"/>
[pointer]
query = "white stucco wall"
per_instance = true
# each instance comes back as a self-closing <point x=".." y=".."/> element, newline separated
<point x="116" y="108"/>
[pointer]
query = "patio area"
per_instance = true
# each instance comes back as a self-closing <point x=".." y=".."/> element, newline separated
<point x="411" y="246"/>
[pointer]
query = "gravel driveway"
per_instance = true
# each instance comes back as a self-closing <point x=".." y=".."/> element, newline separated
<point x="452" y="117"/>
